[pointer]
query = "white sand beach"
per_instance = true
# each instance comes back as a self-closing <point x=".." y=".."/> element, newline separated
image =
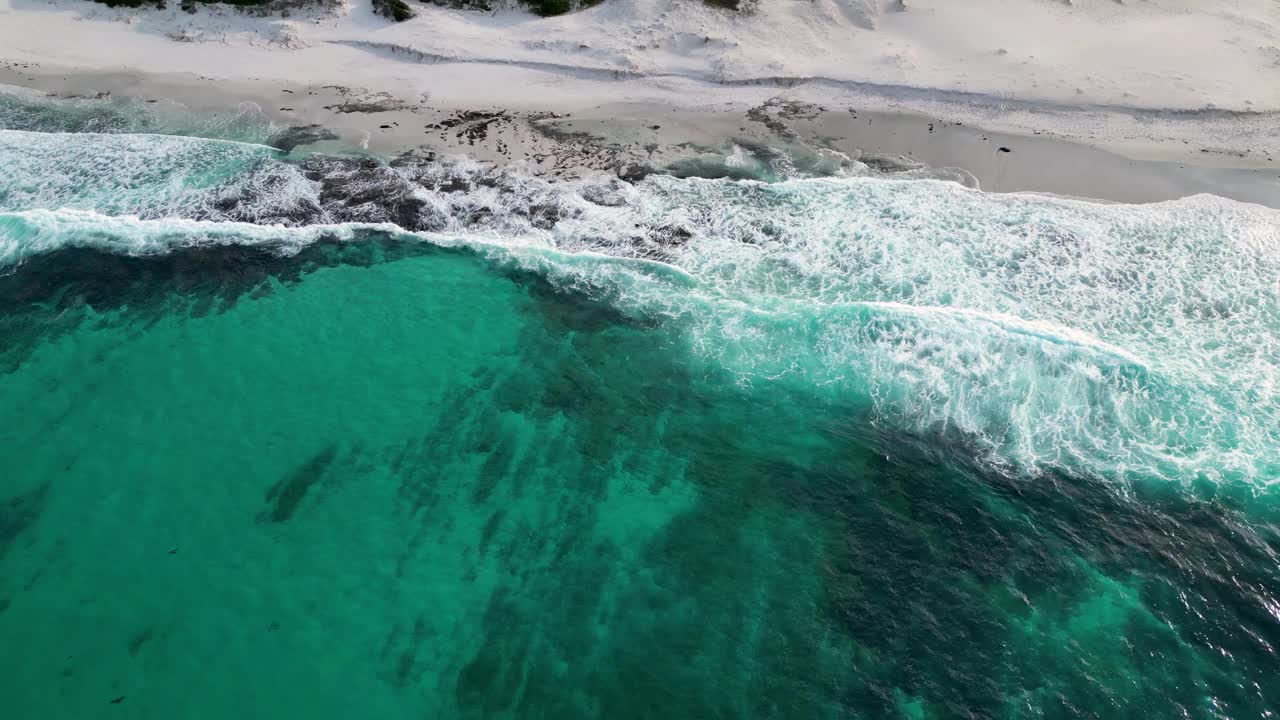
<point x="1193" y="87"/>
<point x="792" y="360"/>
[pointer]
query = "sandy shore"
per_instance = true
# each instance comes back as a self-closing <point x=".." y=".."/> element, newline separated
<point x="1175" y="80"/>
<point x="637" y="135"/>
<point x="953" y="92"/>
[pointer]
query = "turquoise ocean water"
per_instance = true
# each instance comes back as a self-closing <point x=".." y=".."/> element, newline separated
<point x="285" y="435"/>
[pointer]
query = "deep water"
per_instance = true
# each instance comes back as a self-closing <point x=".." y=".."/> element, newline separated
<point x="300" y="436"/>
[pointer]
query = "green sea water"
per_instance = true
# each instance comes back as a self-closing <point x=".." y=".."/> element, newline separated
<point x="848" y="448"/>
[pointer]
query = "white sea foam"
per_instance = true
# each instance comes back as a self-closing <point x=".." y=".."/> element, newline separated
<point x="1048" y="334"/>
<point x="140" y="174"/>
<point x="27" y="233"/>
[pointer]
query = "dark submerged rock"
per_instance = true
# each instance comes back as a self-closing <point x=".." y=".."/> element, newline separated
<point x="292" y="137"/>
<point x="365" y="190"/>
<point x="19" y="513"/>
<point x="634" y="172"/>
<point x="287" y="494"/>
<point x="606" y="195"/>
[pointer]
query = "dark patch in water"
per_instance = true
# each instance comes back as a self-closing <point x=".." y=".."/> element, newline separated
<point x="577" y="310"/>
<point x="608" y="194"/>
<point x="491" y="528"/>
<point x="414" y="464"/>
<point x="292" y="137"/>
<point x="138" y="640"/>
<point x="285" y="496"/>
<point x="489" y="682"/>
<point x="712" y="168"/>
<point x="945" y="569"/>
<point x="498" y="461"/>
<point x="634" y="172"/>
<point x="52" y="293"/>
<point x="400" y="651"/>
<point x="671" y="235"/>
<point x="19" y="513"/>
<point x="367" y="190"/>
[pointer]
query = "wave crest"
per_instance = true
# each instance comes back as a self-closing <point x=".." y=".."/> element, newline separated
<point x="1049" y="333"/>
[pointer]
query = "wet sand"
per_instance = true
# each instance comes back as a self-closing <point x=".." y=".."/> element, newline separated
<point x="638" y="137"/>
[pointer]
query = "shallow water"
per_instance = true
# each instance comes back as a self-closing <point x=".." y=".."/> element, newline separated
<point x="445" y="441"/>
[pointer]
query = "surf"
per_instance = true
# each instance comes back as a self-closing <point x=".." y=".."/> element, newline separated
<point x="1033" y="396"/>
<point x="1057" y="335"/>
<point x="885" y="432"/>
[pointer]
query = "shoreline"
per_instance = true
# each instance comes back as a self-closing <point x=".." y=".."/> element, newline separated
<point x="613" y="136"/>
<point x="1129" y="95"/>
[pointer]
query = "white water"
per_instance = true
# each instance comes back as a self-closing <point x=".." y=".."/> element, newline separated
<point x="1047" y="334"/>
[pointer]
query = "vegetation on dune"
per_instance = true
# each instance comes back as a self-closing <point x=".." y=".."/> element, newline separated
<point x="131" y="3"/>
<point x="544" y="8"/>
<point x="482" y="5"/>
<point x="283" y="6"/>
<point x="400" y="10"/>
<point x="548" y="7"/>
<point x="397" y="10"/>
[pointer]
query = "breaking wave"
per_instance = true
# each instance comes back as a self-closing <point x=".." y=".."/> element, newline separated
<point x="1045" y="334"/>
